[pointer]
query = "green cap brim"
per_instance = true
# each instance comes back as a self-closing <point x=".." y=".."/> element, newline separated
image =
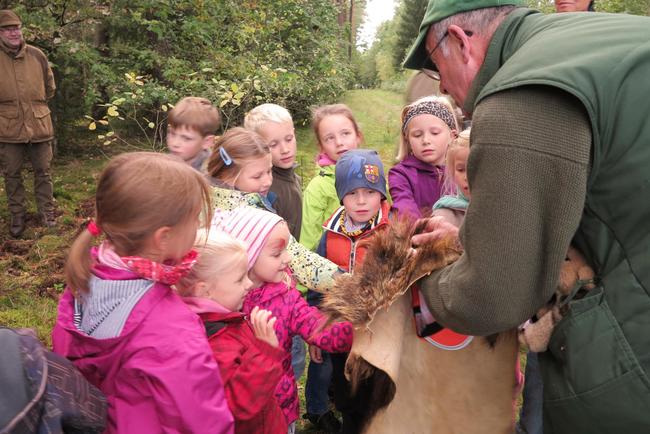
<point x="418" y="57"/>
<point x="438" y="10"/>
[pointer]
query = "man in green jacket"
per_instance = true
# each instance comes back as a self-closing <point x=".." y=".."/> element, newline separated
<point x="560" y="155"/>
<point x="25" y="122"/>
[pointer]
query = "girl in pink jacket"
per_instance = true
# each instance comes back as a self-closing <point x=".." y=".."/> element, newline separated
<point x="120" y="322"/>
<point x="266" y="236"/>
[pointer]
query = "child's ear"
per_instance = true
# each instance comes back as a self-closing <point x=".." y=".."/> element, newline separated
<point x="454" y="134"/>
<point x="208" y="142"/>
<point x="160" y="238"/>
<point x="200" y="289"/>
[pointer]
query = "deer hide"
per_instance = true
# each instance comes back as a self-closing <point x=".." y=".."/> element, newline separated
<point x="417" y="387"/>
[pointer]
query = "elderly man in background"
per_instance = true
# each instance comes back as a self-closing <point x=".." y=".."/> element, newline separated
<point x="25" y="122"/>
<point x="560" y="155"/>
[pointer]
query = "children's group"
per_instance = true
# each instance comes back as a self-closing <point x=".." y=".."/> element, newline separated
<point x="193" y="294"/>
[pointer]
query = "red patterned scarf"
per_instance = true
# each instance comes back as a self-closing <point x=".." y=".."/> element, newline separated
<point x="163" y="273"/>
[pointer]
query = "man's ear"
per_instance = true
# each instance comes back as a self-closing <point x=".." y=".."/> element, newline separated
<point x="208" y="142"/>
<point x="464" y="41"/>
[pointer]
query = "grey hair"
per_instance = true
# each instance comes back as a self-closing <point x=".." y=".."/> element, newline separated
<point x="482" y="22"/>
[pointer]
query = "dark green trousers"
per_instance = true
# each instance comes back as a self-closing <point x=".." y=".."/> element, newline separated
<point x="13" y="157"/>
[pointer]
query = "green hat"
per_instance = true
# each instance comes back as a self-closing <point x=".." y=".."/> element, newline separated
<point x="438" y="10"/>
<point x="9" y="18"/>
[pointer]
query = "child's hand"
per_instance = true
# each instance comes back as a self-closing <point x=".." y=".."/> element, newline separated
<point x="263" y="323"/>
<point x="315" y="354"/>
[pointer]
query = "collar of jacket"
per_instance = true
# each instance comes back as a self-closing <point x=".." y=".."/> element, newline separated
<point x="334" y="222"/>
<point x="222" y="194"/>
<point x="229" y="317"/>
<point x="284" y="174"/>
<point x="12" y="52"/>
<point x="267" y="291"/>
<point x="412" y="161"/>
<point x="327" y="170"/>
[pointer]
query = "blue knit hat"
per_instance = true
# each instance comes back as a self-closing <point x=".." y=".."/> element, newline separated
<point x="359" y="168"/>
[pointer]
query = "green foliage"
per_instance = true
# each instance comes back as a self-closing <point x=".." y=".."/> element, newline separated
<point x="408" y="19"/>
<point x="375" y="65"/>
<point x="236" y="53"/>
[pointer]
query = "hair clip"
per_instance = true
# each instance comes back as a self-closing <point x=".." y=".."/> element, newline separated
<point x="94" y="230"/>
<point x="225" y="157"/>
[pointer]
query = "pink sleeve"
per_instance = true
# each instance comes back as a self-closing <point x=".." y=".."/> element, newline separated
<point x="307" y="321"/>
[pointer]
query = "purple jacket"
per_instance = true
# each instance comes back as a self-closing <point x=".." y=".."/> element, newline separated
<point x="159" y="374"/>
<point x="296" y="317"/>
<point x="414" y="186"/>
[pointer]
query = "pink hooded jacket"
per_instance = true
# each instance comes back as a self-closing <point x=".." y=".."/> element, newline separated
<point x="158" y="375"/>
<point x="296" y="317"/>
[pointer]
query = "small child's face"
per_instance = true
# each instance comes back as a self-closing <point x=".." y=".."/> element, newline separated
<point x="281" y="139"/>
<point x="362" y="204"/>
<point x="337" y="135"/>
<point x="255" y="176"/>
<point x="460" y="170"/>
<point x="230" y="288"/>
<point x="274" y="258"/>
<point x="428" y="138"/>
<point x="186" y="142"/>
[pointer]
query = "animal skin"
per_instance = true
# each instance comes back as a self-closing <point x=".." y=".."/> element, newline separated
<point x="412" y="386"/>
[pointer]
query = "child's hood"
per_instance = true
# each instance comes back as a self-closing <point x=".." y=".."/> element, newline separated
<point x="158" y="306"/>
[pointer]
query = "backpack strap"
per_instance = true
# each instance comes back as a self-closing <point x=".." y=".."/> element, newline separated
<point x="16" y="405"/>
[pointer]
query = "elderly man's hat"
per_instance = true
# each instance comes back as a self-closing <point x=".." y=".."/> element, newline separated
<point x="9" y="18"/>
<point x="438" y="10"/>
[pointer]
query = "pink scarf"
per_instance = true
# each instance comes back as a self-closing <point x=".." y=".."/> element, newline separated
<point x="323" y="160"/>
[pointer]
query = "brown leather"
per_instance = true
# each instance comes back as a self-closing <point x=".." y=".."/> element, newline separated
<point x="437" y="391"/>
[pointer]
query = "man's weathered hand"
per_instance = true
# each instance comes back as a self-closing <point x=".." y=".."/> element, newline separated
<point x="435" y="228"/>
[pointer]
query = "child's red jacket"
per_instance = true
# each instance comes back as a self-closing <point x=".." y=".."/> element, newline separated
<point x="250" y="371"/>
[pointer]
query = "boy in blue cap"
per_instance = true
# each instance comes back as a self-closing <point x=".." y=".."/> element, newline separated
<point x="361" y="187"/>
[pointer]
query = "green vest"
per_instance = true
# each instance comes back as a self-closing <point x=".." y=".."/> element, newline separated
<point x="596" y="369"/>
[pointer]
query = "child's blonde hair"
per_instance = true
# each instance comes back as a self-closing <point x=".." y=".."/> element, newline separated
<point x="219" y="252"/>
<point x="195" y="113"/>
<point x="460" y="142"/>
<point x="438" y="106"/>
<point x="232" y="150"/>
<point x="264" y="113"/>
<point x="324" y="111"/>
<point x="138" y="193"/>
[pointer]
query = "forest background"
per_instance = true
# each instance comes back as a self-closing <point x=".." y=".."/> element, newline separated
<point x="119" y="65"/>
